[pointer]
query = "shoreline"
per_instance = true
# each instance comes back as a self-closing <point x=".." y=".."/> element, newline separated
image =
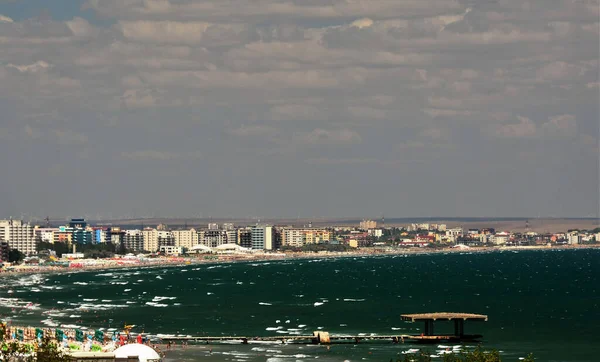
<point x="248" y="258"/>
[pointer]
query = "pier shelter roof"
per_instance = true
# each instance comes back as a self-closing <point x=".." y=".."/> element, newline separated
<point x="444" y="316"/>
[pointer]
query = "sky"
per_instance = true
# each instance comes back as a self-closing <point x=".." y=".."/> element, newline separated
<point x="299" y="108"/>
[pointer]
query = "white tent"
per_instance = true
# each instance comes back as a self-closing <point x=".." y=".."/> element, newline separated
<point x="141" y="351"/>
<point x="199" y="249"/>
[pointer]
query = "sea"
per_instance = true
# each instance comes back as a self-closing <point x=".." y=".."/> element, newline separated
<point x="543" y="302"/>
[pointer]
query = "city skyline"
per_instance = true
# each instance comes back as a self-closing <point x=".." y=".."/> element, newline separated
<point x="299" y="109"/>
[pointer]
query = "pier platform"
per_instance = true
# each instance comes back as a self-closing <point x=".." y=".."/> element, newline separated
<point x="324" y="337"/>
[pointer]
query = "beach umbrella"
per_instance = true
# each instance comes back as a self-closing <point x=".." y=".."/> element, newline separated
<point x="79" y="335"/>
<point x="60" y="334"/>
<point x="39" y="333"/>
<point x="20" y="335"/>
<point x="99" y="336"/>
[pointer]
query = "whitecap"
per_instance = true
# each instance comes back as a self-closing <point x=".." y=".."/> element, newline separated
<point x="316" y="304"/>
<point x="264" y="303"/>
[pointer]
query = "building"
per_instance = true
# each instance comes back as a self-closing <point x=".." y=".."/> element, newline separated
<point x="165" y="238"/>
<point x="454" y="232"/>
<point x="501" y="238"/>
<point x="298" y="237"/>
<point x="99" y="235"/>
<point x="213" y="237"/>
<point x="150" y="239"/>
<point x="186" y="238"/>
<point x="114" y="235"/>
<point x="171" y="249"/>
<point x="368" y="224"/>
<point x="376" y="233"/>
<point x="292" y="237"/>
<point x="18" y="235"/>
<point x="244" y="237"/>
<point x="133" y="240"/>
<point x="573" y="238"/>
<point x="45" y="234"/>
<point x="262" y="237"/>
<point x="4" y="249"/>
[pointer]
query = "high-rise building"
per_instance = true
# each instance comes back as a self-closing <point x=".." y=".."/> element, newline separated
<point x="150" y="239"/>
<point x="244" y="237"/>
<point x="262" y="237"/>
<point x="165" y="238"/>
<point x="213" y="237"/>
<point x="298" y="237"/>
<point x="133" y="240"/>
<point x="185" y="238"/>
<point x="45" y="234"/>
<point x="368" y="224"/>
<point x="19" y="235"/>
<point x="4" y="249"/>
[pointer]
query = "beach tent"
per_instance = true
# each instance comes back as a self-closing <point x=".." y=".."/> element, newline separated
<point x="200" y="249"/>
<point x="99" y="335"/>
<point x="79" y="335"/>
<point x="141" y="351"/>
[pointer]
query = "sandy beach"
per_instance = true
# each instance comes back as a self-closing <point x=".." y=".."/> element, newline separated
<point x="111" y="264"/>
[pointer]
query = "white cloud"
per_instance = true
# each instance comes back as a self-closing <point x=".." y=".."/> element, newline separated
<point x="155" y="155"/>
<point x="525" y="128"/>
<point x="333" y="137"/>
<point x="556" y="126"/>
<point x="5" y="19"/>
<point x="30" y="68"/>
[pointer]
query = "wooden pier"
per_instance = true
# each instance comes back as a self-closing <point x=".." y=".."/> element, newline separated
<point x="322" y="337"/>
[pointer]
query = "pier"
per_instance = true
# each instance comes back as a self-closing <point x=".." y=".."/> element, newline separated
<point x="323" y="337"/>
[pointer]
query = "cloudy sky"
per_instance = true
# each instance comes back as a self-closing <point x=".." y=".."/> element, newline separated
<point x="299" y="108"/>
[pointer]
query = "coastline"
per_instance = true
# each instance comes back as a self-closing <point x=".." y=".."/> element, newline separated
<point x="242" y="258"/>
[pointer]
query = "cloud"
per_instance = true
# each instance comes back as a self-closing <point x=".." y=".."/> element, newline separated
<point x="254" y="131"/>
<point x="331" y="137"/>
<point x="561" y="125"/>
<point x="556" y="126"/>
<point x="5" y="19"/>
<point x="30" y="68"/>
<point x="155" y="155"/>
<point x="337" y="81"/>
<point x="59" y="136"/>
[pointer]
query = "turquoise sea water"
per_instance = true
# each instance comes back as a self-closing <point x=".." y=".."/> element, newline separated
<point x="543" y="302"/>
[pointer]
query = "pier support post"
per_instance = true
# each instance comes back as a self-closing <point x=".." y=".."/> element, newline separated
<point x="459" y="327"/>
<point x="428" y="328"/>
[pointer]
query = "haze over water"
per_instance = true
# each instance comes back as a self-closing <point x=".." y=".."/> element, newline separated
<point x="544" y="302"/>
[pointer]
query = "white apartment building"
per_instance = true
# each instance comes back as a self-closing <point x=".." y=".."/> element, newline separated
<point x="368" y="224"/>
<point x="19" y="235"/>
<point x="292" y="237"/>
<point x="186" y="238"/>
<point x="262" y="237"/>
<point x="455" y="232"/>
<point x="298" y="237"/>
<point x="45" y="234"/>
<point x="501" y="238"/>
<point x="573" y="238"/>
<point x="212" y="237"/>
<point x="376" y="233"/>
<point x="171" y="249"/>
<point x="133" y="240"/>
<point x="150" y="239"/>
